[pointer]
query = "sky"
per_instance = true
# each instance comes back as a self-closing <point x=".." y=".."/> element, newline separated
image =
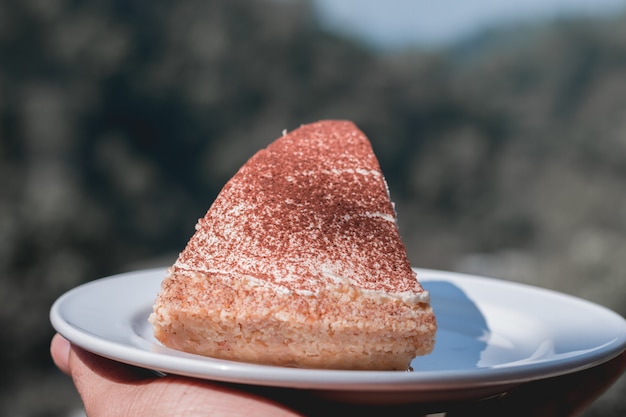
<point x="393" y="24"/>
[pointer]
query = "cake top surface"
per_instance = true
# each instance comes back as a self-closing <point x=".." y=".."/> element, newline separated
<point x="312" y="210"/>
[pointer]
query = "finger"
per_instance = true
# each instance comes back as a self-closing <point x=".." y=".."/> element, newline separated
<point x="570" y="394"/>
<point x="566" y="395"/>
<point x="319" y="404"/>
<point x="84" y="364"/>
<point x="60" y="352"/>
<point x="139" y="393"/>
<point x="586" y="386"/>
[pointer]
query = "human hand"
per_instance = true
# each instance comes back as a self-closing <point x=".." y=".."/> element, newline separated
<point x="112" y="389"/>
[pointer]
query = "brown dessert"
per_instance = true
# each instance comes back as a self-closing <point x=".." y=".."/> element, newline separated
<point x="299" y="262"/>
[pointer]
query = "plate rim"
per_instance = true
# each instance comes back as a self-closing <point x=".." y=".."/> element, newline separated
<point x="336" y="380"/>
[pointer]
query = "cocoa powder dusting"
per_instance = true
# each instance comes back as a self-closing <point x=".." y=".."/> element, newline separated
<point x="310" y="210"/>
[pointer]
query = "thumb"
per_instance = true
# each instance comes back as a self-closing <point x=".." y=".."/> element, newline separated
<point x="112" y="389"/>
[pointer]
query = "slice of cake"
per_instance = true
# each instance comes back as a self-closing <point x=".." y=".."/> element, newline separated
<point x="299" y="262"/>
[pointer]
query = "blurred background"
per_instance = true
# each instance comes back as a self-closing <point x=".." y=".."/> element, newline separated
<point x="501" y="129"/>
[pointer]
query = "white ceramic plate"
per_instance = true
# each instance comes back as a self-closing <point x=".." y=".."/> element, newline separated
<point x="492" y="336"/>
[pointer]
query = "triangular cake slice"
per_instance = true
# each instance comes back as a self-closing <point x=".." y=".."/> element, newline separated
<point x="299" y="262"/>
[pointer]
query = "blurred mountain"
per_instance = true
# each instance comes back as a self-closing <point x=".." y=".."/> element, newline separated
<point x="121" y="120"/>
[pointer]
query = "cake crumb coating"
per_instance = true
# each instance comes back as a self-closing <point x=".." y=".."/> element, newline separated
<point x="299" y="262"/>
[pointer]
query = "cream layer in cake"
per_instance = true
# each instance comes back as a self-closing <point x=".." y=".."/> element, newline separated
<point x="299" y="262"/>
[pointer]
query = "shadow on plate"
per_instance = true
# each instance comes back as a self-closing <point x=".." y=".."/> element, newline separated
<point x="462" y="330"/>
